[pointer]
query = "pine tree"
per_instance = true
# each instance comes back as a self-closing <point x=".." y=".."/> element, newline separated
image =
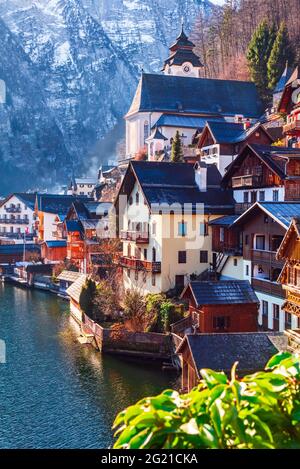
<point x="258" y="55"/>
<point x="280" y="54"/>
<point x="177" y="154"/>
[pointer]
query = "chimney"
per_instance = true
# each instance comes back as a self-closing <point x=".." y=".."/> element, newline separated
<point x="201" y="177"/>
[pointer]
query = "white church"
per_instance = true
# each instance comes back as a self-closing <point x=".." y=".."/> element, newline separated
<point x="180" y="98"/>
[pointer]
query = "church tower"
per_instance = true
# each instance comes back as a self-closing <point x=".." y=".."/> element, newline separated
<point x="182" y="60"/>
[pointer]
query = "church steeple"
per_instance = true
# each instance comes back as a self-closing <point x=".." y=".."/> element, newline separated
<point x="182" y="60"/>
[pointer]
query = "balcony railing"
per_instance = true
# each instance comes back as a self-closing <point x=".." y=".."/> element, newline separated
<point x="13" y="209"/>
<point x="135" y="236"/>
<point x="15" y="221"/>
<point x="292" y="127"/>
<point x="268" y="287"/>
<point x="137" y="264"/>
<point x="4" y="234"/>
<point x="246" y="181"/>
<point x="268" y="257"/>
<point x="227" y="248"/>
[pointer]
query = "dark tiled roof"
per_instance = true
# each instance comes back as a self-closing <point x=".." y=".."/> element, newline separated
<point x="73" y="226"/>
<point x="174" y="183"/>
<point x="226" y="132"/>
<point x="165" y="93"/>
<point x="81" y="210"/>
<point x="224" y="221"/>
<point x="282" y="211"/>
<point x="219" y="352"/>
<point x="57" y="244"/>
<point x="18" y="248"/>
<point x="171" y="120"/>
<point x="57" y="204"/>
<point x="224" y="292"/>
<point x="157" y="135"/>
<point x="181" y="56"/>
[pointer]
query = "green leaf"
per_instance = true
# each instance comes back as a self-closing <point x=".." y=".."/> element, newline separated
<point x="213" y="378"/>
<point x="275" y="361"/>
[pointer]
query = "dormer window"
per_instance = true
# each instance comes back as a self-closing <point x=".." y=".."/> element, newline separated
<point x="137" y="198"/>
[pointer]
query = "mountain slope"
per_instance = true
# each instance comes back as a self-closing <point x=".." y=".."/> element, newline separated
<point x="80" y="60"/>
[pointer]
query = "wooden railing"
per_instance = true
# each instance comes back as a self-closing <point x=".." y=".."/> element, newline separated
<point x="268" y="287"/>
<point x="246" y="181"/>
<point x="135" y="236"/>
<point x="291" y="126"/>
<point x="137" y="264"/>
<point x="269" y="257"/>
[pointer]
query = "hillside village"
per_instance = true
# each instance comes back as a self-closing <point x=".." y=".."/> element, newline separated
<point x="193" y="235"/>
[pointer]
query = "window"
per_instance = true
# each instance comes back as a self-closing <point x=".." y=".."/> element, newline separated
<point x="182" y="228"/>
<point x="276" y="312"/>
<point x="153" y="280"/>
<point x="253" y="197"/>
<point x="288" y="319"/>
<point x="246" y="197"/>
<point x="275" y="196"/>
<point x="153" y="255"/>
<point x="128" y="273"/>
<point x="130" y="201"/>
<point x="265" y="308"/>
<point x="222" y="234"/>
<point x="137" y="198"/>
<point x="203" y="257"/>
<point x="145" y="254"/>
<point x="154" y="228"/>
<point x="260" y="243"/>
<point x="247" y="270"/>
<point x="262" y="196"/>
<point x="203" y="229"/>
<point x="181" y="257"/>
<point x="235" y="262"/>
<point x="146" y="130"/>
<point x="246" y="240"/>
<point x="136" y="275"/>
<point x="129" y="250"/>
<point x="221" y="323"/>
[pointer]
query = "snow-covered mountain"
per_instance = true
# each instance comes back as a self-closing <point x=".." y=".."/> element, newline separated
<point x="71" y="67"/>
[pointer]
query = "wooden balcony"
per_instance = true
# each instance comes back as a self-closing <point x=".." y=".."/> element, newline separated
<point x="266" y="257"/>
<point x="268" y="287"/>
<point x="135" y="236"/>
<point x="14" y="221"/>
<point x="137" y="264"/>
<point x="246" y="181"/>
<point x="13" y="209"/>
<point x="292" y="127"/>
<point x="227" y="248"/>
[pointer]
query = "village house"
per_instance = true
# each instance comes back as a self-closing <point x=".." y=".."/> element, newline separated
<point x="265" y="174"/>
<point x="222" y="306"/>
<point x="54" y="251"/>
<point x="290" y="106"/>
<point x="17" y="217"/>
<point x="12" y="253"/>
<point x="289" y="252"/>
<point x="65" y="280"/>
<point x="219" y="352"/>
<point x="50" y="212"/>
<point x="82" y="186"/>
<point x="245" y="248"/>
<point x="74" y="292"/>
<point x="163" y="211"/>
<point x="180" y="100"/>
<point x="87" y="227"/>
<point x="221" y="141"/>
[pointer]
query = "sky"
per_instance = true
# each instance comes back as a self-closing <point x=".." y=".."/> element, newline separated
<point x="218" y="2"/>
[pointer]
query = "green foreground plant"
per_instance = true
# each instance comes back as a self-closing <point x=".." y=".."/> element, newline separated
<point x="261" y="410"/>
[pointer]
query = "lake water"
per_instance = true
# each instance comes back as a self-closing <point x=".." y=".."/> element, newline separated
<point x="54" y="393"/>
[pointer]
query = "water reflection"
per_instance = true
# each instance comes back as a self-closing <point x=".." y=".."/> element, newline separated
<point x="55" y="393"/>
